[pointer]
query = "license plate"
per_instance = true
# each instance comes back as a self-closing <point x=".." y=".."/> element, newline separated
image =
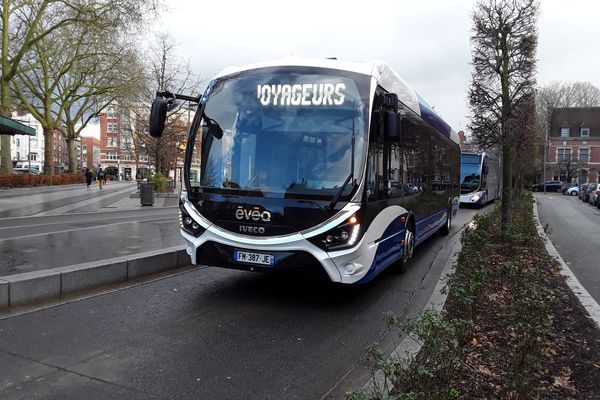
<point x="253" y="258"/>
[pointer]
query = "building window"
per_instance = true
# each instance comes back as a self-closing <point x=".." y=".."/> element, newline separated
<point x="144" y="157"/>
<point x="111" y="128"/>
<point x="127" y="156"/>
<point x="32" y="156"/>
<point x="584" y="155"/>
<point x="563" y="155"/>
<point x="112" y="156"/>
<point x="111" y="142"/>
<point x="564" y="132"/>
<point x="18" y="142"/>
<point x="584" y="132"/>
<point x="111" y="113"/>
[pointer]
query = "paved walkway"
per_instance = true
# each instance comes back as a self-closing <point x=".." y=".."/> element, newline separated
<point x="59" y="200"/>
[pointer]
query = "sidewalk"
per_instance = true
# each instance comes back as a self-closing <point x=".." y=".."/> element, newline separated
<point x="47" y="201"/>
<point x="63" y="239"/>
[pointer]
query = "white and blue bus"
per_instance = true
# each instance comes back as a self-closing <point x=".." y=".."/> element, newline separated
<point x="313" y="164"/>
<point x="480" y="181"/>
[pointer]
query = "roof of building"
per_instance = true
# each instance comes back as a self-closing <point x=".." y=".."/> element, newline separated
<point x="575" y="118"/>
<point x="9" y="126"/>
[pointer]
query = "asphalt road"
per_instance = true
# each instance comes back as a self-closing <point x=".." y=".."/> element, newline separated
<point x="575" y="232"/>
<point x="213" y="334"/>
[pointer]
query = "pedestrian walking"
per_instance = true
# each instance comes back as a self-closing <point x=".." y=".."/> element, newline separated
<point x="88" y="177"/>
<point x="101" y="177"/>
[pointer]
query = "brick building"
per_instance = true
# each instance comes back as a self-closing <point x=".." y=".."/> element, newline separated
<point x="90" y="152"/>
<point x="120" y="154"/>
<point x="574" y="144"/>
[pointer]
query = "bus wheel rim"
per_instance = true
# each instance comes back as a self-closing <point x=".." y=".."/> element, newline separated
<point x="408" y="245"/>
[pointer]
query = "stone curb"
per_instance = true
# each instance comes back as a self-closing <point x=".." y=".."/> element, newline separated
<point x="32" y="287"/>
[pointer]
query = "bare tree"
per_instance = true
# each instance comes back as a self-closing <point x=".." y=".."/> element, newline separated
<point x="568" y="169"/>
<point x="25" y="23"/>
<point x="526" y="142"/>
<point x="166" y="72"/>
<point x="503" y="43"/>
<point x="107" y="73"/>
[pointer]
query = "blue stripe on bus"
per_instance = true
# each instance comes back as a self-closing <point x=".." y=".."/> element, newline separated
<point x="433" y="118"/>
<point x="429" y="225"/>
<point x="390" y="250"/>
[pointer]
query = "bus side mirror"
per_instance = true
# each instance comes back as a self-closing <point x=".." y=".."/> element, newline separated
<point x="158" y="116"/>
<point x="392" y="123"/>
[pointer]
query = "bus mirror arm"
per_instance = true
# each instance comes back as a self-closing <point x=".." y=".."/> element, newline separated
<point x="163" y="101"/>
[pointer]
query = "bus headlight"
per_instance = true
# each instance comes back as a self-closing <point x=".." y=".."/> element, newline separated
<point x="475" y="198"/>
<point x="188" y="224"/>
<point x="342" y="236"/>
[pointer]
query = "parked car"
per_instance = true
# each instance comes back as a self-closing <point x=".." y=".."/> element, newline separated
<point x="594" y="193"/>
<point x="566" y="186"/>
<point x="582" y="190"/>
<point x="591" y="187"/>
<point x="551" y="186"/>
<point x="572" y="191"/>
<point x="23" y="170"/>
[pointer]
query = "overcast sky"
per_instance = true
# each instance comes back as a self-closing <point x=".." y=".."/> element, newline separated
<point x="425" y="41"/>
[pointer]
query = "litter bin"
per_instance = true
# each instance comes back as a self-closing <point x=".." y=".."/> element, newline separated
<point x="147" y="194"/>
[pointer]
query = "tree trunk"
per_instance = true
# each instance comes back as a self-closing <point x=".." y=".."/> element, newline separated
<point x="506" y="136"/>
<point x="48" y="152"/>
<point x="506" y="188"/>
<point x="5" y="156"/>
<point x="73" y="167"/>
<point x="5" y="101"/>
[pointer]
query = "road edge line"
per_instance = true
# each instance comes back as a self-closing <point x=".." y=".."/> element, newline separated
<point x="584" y="297"/>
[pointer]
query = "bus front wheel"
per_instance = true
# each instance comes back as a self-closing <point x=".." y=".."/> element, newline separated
<point x="407" y="251"/>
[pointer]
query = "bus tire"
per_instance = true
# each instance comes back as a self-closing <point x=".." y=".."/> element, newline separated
<point x="407" y="251"/>
<point x="444" y="230"/>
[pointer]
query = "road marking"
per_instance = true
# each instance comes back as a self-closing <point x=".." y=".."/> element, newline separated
<point x="586" y="300"/>
<point x="68" y="207"/>
<point x="101" y="214"/>
<point x="174" y="219"/>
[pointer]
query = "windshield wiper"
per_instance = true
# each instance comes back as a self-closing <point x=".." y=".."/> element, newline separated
<point x="337" y="196"/>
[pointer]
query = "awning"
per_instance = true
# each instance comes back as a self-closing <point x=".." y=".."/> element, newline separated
<point x="11" y="127"/>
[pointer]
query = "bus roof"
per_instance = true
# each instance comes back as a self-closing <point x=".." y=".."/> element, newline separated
<point x="380" y="70"/>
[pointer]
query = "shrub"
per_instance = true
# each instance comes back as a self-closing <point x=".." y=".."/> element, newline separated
<point x="161" y="183"/>
<point x="28" y="180"/>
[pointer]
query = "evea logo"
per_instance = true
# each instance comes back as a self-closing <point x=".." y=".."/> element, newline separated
<point x="253" y="214"/>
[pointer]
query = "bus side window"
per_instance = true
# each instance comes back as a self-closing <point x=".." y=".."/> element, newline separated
<point x="395" y="185"/>
<point x="412" y="155"/>
<point x="376" y="183"/>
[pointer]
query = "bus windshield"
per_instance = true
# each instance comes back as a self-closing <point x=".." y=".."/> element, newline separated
<point x="470" y="170"/>
<point x="285" y="133"/>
